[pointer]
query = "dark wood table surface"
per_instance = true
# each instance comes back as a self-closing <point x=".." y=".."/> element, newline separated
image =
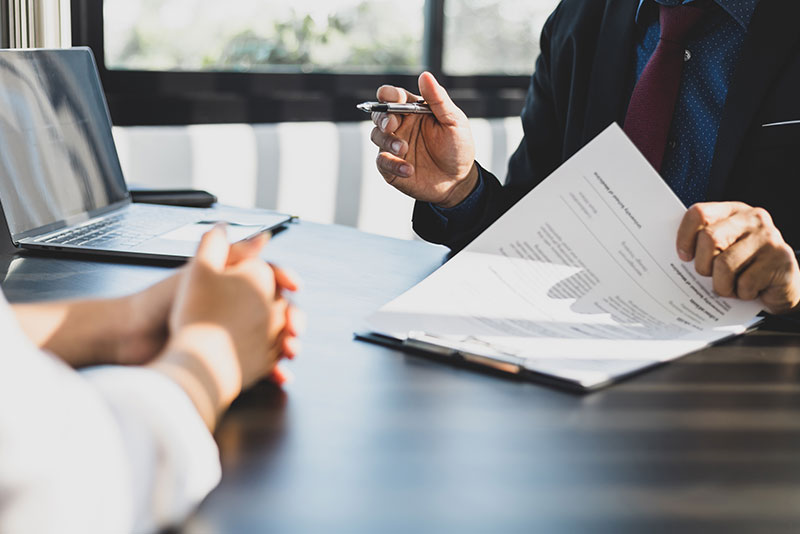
<point x="367" y="439"/>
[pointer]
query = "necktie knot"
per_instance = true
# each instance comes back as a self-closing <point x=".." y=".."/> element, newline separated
<point x="678" y="21"/>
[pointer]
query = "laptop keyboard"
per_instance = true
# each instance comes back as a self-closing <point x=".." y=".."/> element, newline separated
<point x="121" y="230"/>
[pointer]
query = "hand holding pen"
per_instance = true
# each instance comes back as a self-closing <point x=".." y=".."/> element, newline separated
<point x="425" y="143"/>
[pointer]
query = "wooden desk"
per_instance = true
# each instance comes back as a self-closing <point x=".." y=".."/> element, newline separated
<point x="370" y="440"/>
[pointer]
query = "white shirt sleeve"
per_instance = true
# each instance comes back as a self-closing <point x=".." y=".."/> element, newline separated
<point x="173" y="455"/>
<point x="106" y="450"/>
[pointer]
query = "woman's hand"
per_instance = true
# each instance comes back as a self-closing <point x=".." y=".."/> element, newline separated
<point x="229" y="325"/>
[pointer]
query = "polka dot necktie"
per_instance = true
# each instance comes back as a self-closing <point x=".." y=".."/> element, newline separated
<point x="652" y="104"/>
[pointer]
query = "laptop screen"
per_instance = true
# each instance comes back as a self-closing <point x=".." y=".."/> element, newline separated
<point x="57" y="156"/>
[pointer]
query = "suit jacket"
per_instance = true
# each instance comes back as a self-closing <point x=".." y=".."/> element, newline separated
<point x="583" y="82"/>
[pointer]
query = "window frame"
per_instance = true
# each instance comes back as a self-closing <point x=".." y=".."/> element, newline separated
<point x="140" y="98"/>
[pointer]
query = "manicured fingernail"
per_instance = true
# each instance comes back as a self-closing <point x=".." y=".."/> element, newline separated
<point x="277" y="377"/>
<point x="404" y="170"/>
<point x="682" y="254"/>
<point x="384" y="123"/>
<point x="281" y="376"/>
<point x="293" y="346"/>
<point x="288" y="376"/>
<point x="397" y="146"/>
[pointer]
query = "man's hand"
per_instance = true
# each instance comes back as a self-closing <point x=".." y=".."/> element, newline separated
<point x="744" y="253"/>
<point x="428" y="157"/>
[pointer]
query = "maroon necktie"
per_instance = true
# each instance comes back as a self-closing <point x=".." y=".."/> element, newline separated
<point x="653" y="101"/>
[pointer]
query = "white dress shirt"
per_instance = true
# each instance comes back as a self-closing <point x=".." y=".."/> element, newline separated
<point x="107" y="450"/>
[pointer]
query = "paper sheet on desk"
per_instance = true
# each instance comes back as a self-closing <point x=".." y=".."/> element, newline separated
<point x="579" y="280"/>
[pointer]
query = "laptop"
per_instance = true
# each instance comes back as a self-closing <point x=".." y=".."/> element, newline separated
<point x="61" y="184"/>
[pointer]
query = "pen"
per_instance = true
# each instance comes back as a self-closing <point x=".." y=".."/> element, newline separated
<point x="391" y="107"/>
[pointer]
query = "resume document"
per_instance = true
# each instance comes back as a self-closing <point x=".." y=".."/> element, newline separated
<point x="579" y="281"/>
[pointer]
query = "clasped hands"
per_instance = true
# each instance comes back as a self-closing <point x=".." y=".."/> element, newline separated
<point x="218" y="325"/>
<point x="432" y="159"/>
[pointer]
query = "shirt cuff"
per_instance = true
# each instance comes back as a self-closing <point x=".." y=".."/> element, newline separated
<point x="466" y="210"/>
<point x="173" y="456"/>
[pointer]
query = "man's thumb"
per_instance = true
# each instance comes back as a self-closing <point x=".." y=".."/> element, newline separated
<point x="213" y="249"/>
<point x="445" y="111"/>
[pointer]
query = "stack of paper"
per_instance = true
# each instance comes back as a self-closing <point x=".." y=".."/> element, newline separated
<point x="579" y="281"/>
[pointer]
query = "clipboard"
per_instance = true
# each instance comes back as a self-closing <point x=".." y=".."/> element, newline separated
<point x="509" y="366"/>
<point x="503" y="367"/>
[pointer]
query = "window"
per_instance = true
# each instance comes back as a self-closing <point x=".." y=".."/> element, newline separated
<point x="303" y="36"/>
<point x="498" y="37"/>
<point x="206" y="61"/>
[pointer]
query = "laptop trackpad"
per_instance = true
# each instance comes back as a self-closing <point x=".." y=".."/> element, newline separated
<point x="193" y="232"/>
<point x="182" y="242"/>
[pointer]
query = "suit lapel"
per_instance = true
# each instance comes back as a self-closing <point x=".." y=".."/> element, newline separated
<point x="612" y="70"/>
<point x="770" y="38"/>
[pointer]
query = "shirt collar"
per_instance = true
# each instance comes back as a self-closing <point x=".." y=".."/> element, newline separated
<point x="740" y="10"/>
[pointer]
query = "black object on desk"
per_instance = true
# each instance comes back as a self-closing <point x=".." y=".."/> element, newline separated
<point x="190" y="198"/>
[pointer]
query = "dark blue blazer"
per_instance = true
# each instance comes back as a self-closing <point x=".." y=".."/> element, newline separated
<point x="583" y="82"/>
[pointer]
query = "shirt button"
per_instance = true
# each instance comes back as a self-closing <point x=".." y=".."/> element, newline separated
<point x="687" y="55"/>
<point x="672" y="143"/>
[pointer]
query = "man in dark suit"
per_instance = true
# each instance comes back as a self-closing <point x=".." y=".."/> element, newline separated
<point x="708" y="90"/>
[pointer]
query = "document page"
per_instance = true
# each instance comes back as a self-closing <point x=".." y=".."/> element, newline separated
<point x="579" y="280"/>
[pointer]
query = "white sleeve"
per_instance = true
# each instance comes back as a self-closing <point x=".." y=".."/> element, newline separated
<point x="174" y="458"/>
<point x="63" y="466"/>
<point x="106" y="450"/>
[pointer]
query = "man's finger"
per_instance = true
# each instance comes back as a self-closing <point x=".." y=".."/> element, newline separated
<point x="213" y="249"/>
<point x="393" y="167"/>
<point x="390" y="93"/>
<point x="248" y="248"/>
<point x="388" y="142"/>
<point x="716" y="238"/>
<point x="388" y="122"/>
<point x="729" y="264"/>
<point x="757" y="277"/>
<point x="445" y="111"/>
<point x="698" y="217"/>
